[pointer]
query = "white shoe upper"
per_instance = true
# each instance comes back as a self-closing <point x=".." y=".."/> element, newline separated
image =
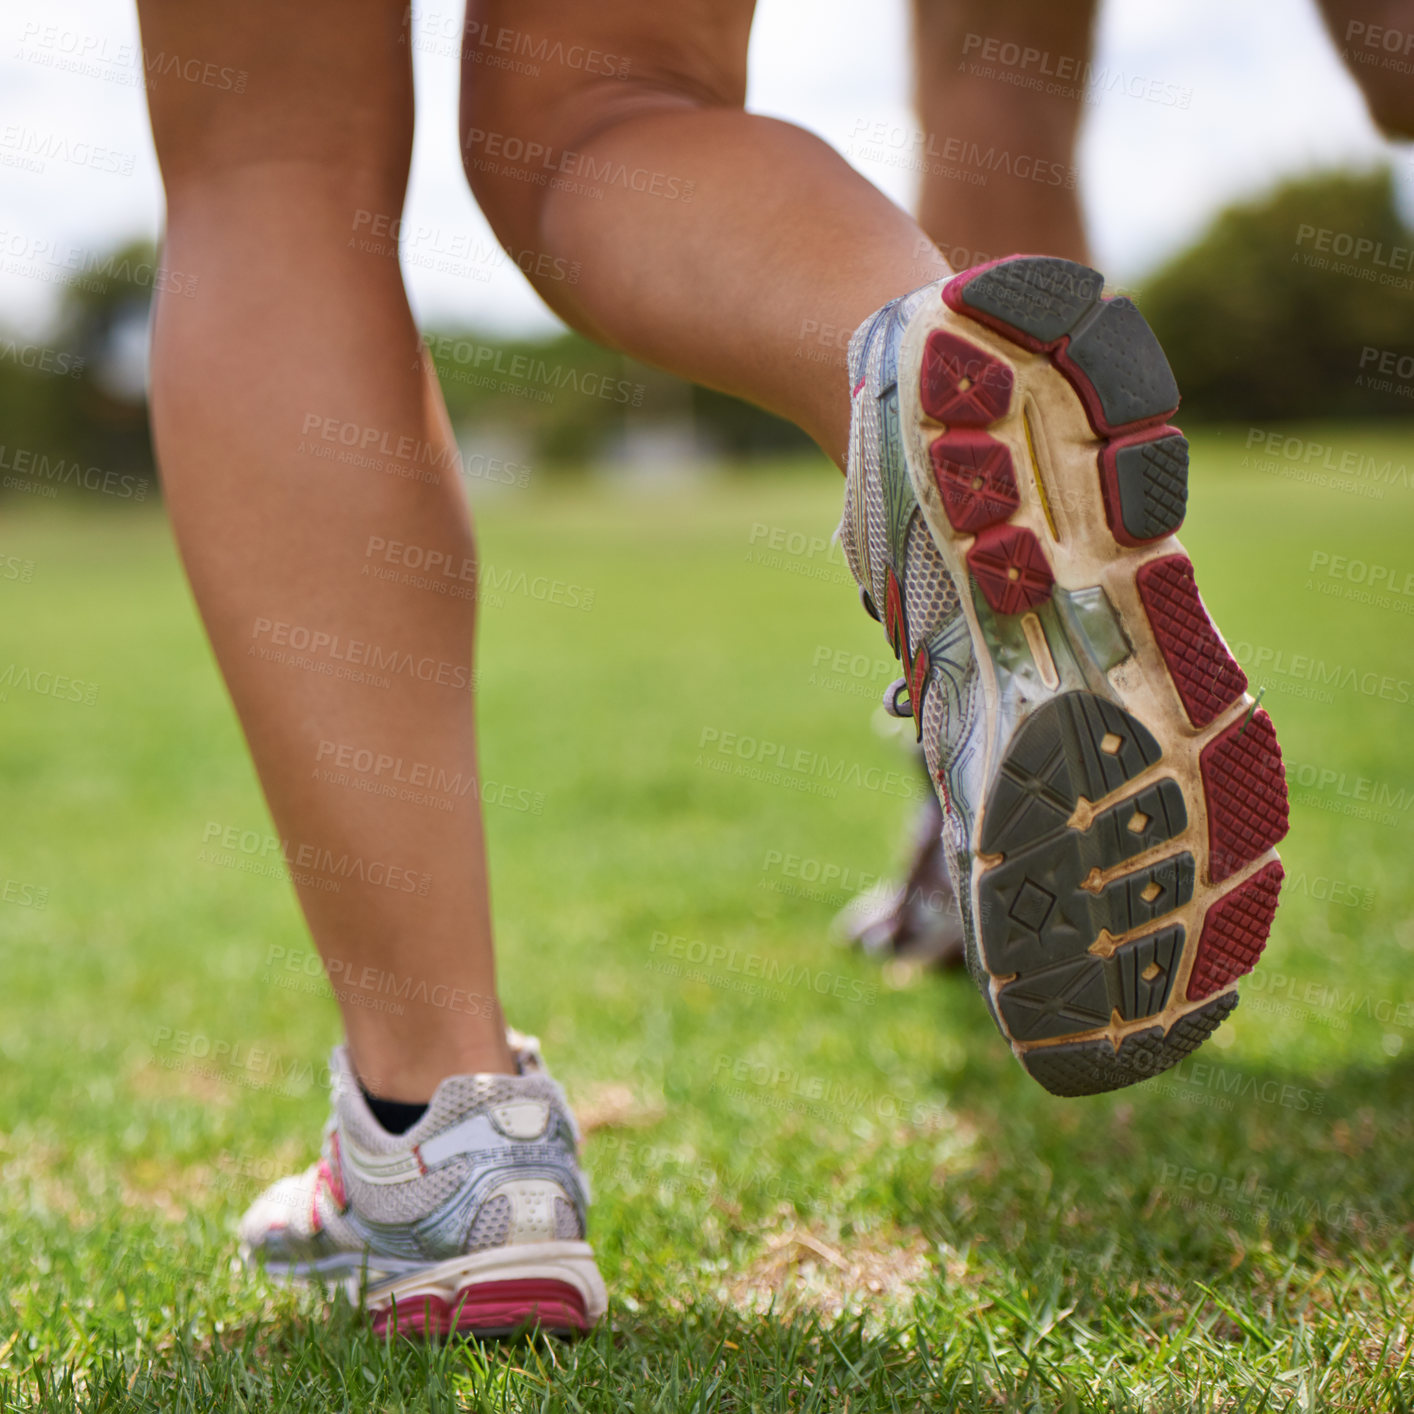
<point x="492" y="1163"/>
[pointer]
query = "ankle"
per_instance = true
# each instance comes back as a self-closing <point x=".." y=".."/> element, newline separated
<point x="395" y="1116"/>
<point x="407" y="1065"/>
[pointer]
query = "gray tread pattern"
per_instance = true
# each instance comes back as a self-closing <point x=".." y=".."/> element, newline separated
<point x="1042" y="296"/>
<point x="1038" y="923"/>
<point x="1153" y="486"/>
<point x="1122" y="360"/>
<point x="1055" y="757"/>
<point x="1083" y="993"/>
<point x="1092" y="1067"/>
<point x="1034" y="909"/>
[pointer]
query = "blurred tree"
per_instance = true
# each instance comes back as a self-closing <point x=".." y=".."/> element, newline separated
<point x="73" y="401"/>
<point x="561" y="399"/>
<point x="1273" y="312"/>
<point x="569" y="402"/>
<point x="743" y="430"/>
<point x="1300" y="304"/>
<point x="104" y="318"/>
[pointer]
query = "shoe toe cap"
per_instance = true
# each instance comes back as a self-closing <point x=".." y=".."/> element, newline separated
<point x="278" y="1217"/>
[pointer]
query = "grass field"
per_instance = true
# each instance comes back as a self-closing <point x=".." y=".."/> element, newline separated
<point x="819" y="1186"/>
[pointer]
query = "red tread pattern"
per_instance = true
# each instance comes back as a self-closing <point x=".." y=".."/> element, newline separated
<point x="1246" y="789"/>
<point x="1010" y="567"/>
<point x="1235" y="932"/>
<point x="489" y="1306"/>
<point x="1202" y="670"/>
<point x="961" y="384"/>
<point x="975" y="479"/>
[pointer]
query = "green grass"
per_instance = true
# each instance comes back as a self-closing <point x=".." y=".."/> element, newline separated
<point x="812" y="1196"/>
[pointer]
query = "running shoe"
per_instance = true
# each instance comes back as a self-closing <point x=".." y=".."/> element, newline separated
<point x="473" y="1221"/>
<point x="1111" y="795"/>
<point x="918" y="920"/>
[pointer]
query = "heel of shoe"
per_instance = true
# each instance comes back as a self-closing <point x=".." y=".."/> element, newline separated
<point x="551" y="1286"/>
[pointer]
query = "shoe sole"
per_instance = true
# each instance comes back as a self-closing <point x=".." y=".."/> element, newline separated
<point x="1123" y="870"/>
<point x="554" y="1287"/>
<point x="551" y="1286"/>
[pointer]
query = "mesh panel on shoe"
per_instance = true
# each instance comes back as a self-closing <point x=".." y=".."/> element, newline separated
<point x="567" y="1225"/>
<point x="459" y="1095"/>
<point x="954" y="703"/>
<point x="849" y="541"/>
<point x="343" y="1234"/>
<point x="931" y="597"/>
<point x="935" y="715"/>
<point x="455" y="1099"/>
<point x="407" y="1202"/>
<point x="862" y="483"/>
<point x="932" y="600"/>
<point x="366" y="1132"/>
<point x="852" y="529"/>
<point x="874" y="510"/>
<point x="395" y="1202"/>
<point x="492" y="1225"/>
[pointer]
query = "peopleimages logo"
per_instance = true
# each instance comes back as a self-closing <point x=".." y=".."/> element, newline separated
<point x="1322" y="456"/>
<point x="58" y="262"/>
<point x="547" y="166"/>
<point x="798" y="767"/>
<point x="987" y="56"/>
<point x="45" y="683"/>
<point x="1358" y="248"/>
<point x="295" y="855"/>
<point x="48" y="473"/>
<point x="1346" y="785"/>
<point x="719" y="957"/>
<point x="1229" y="1082"/>
<point x="319" y="643"/>
<point x="125" y="63"/>
<point x="1301" y="670"/>
<point x="548" y="377"/>
<point x="39" y="359"/>
<point x="365" y="761"/>
<point x="34" y="149"/>
<point x="961" y="159"/>
<point x="1392" y="41"/>
<point x="1389" y="362"/>
<point x="1345" y="253"/>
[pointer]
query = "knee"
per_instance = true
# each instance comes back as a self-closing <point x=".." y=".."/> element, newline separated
<point x="1391" y="105"/>
<point x="507" y="163"/>
<point x="239" y="158"/>
<point x="1378" y="50"/>
<point x="525" y="137"/>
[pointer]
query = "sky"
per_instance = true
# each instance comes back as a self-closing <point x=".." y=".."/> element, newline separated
<point x="1248" y="91"/>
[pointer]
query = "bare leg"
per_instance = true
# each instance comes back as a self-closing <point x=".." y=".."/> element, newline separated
<point x="1376" y="40"/>
<point x="963" y="51"/>
<point x="294" y="339"/>
<point x="725" y="247"/>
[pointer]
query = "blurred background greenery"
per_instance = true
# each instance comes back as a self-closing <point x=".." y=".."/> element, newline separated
<point x="1008" y="1251"/>
<point x="1299" y="339"/>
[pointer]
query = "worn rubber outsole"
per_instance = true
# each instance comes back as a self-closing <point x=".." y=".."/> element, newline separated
<point x="1123" y="870"/>
<point x="490" y="1311"/>
<point x="552" y="1287"/>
